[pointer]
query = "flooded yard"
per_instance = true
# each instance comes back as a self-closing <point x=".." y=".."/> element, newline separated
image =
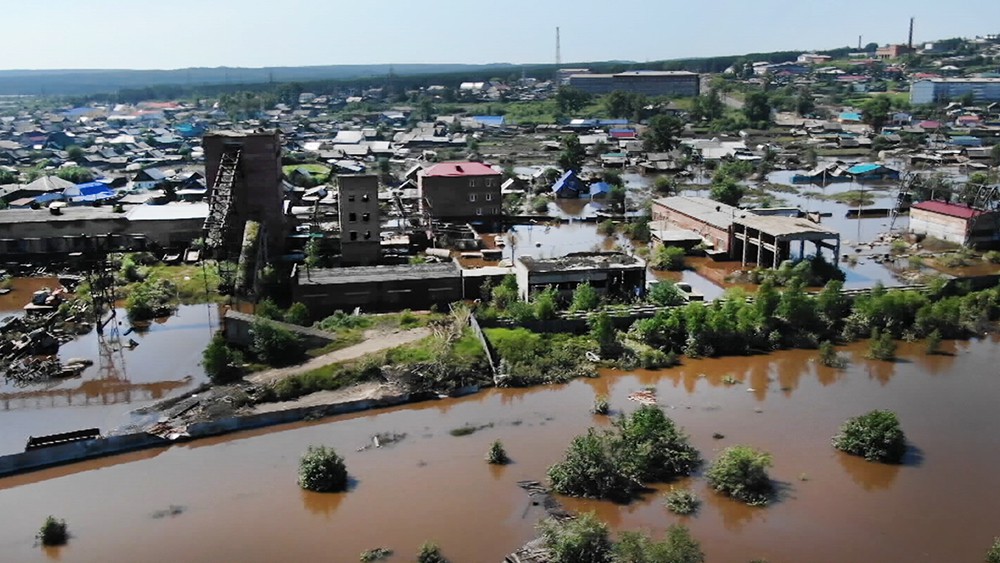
<point x="234" y="495"/>
<point x="165" y="363"/>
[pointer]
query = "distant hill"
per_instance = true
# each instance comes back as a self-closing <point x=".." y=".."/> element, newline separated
<point x="82" y="82"/>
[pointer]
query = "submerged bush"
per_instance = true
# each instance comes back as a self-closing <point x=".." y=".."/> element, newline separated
<point x="993" y="555"/>
<point x="497" y="454"/>
<point x="829" y="357"/>
<point x="377" y="554"/>
<point x="601" y="405"/>
<point x="53" y="532"/>
<point x="677" y="547"/>
<point x="881" y="346"/>
<point x="150" y="299"/>
<point x="584" y="539"/>
<point x="644" y="446"/>
<point x="430" y="553"/>
<point x="681" y="501"/>
<point x="221" y="363"/>
<point x="741" y="472"/>
<point x="876" y="436"/>
<point x="595" y="467"/>
<point x="322" y="470"/>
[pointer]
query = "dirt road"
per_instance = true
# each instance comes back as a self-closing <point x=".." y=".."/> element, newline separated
<point x="376" y="341"/>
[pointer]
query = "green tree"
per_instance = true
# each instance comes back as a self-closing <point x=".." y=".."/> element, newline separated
<point x="665" y="293"/>
<point x="876" y="436"/>
<point x="76" y="174"/>
<point x="221" y="363"/>
<point x="677" y="547"/>
<point x="322" y="470"/>
<point x="708" y="107"/>
<point x="995" y="155"/>
<point x="668" y="258"/>
<point x="618" y="104"/>
<point x="881" y="346"/>
<point x="298" y="314"/>
<point x="757" y="109"/>
<point x="570" y="100"/>
<point x="741" y="472"/>
<point x="274" y="345"/>
<point x="585" y="298"/>
<point x="659" y="450"/>
<point x="603" y="331"/>
<point x="573" y="154"/>
<point x="727" y="190"/>
<point x="584" y="539"/>
<point x="663" y="133"/>
<point x="804" y="102"/>
<point x="74" y="152"/>
<point x="7" y="177"/>
<point x="934" y="342"/>
<point x="266" y="308"/>
<point x="593" y="468"/>
<point x="546" y="304"/>
<point x="875" y="111"/>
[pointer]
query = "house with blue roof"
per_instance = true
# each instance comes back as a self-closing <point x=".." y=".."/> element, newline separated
<point x="872" y="172"/>
<point x="568" y="186"/>
<point x="600" y="190"/>
<point x="850" y="117"/>
<point x="89" y="192"/>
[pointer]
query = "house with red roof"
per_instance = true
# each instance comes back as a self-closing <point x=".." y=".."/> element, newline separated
<point x="955" y="223"/>
<point x="460" y="191"/>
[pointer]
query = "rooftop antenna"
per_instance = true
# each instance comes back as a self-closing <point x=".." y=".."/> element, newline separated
<point x="909" y="43"/>
<point x="558" y="52"/>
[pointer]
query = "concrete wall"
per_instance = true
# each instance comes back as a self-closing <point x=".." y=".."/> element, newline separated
<point x="944" y="227"/>
<point x="720" y="237"/>
<point x="236" y="327"/>
<point x="385" y="295"/>
<point x="452" y="197"/>
<point x="358" y="211"/>
<point x="76" y="451"/>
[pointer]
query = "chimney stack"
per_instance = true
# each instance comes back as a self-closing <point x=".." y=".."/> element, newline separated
<point x="910" y="42"/>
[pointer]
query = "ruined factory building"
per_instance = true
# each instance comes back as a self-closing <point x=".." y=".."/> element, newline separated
<point x="377" y="288"/>
<point x="739" y="234"/>
<point x="610" y="273"/>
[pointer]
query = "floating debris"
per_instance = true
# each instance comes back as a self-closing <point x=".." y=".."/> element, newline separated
<point x="644" y="397"/>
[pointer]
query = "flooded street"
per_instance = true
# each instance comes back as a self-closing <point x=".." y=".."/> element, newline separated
<point x="165" y="363"/>
<point x="236" y="494"/>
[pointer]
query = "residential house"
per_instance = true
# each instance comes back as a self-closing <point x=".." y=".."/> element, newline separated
<point x="955" y="223"/>
<point x="568" y="186"/>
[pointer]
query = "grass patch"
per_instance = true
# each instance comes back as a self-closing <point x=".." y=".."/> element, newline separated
<point x="468" y="429"/>
<point x="314" y="169"/>
<point x="195" y="283"/>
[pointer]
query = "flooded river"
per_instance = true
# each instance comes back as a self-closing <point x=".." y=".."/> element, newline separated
<point x="165" y="363"/>
<point x="238" y="500"/>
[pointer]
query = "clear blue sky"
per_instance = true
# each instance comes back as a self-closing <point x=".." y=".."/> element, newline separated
<point x="254" y="33"/>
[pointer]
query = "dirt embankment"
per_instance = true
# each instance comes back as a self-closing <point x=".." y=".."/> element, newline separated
<point x="375" y="341"/>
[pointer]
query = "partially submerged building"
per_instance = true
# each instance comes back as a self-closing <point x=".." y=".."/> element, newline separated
<point x="955" y="223"/>
<point x="739" y="234"/>
<point x="611" y="273"/>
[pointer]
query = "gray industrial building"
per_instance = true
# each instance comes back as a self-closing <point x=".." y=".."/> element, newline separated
<point x="377" y="288"/>
<point x="646" y="82"/>
<point x="610" y="273"/>
<point x="357" y="209"/>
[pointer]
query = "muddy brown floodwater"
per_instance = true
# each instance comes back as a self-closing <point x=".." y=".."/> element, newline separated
<point x="165" y="363"/>
<point x="239" y="500"/>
